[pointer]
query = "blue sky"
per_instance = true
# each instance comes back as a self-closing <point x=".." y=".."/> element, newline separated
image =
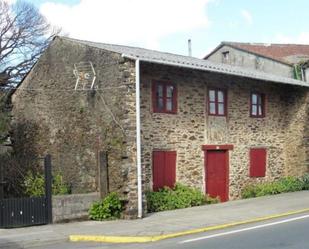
<point x="167" y="24"/>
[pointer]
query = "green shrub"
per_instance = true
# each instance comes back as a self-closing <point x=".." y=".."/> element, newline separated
<point x="109" y="208"/>
<point x="248" y="191"/>
<point x="305" y="181"/>
<point x="283" y="185"/>
<point x="211" y="200"/>
<point x="34" y="185"/>
<point x="179" y="197"/>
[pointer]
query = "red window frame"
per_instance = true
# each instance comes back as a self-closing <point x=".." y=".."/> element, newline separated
<point x="257" y="162"/>
<point x="165" y="98"/>
<point x="260" y="102"/>
<point x="216" y="102"/>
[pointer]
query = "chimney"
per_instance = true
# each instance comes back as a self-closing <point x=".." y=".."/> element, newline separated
<point x="189" y="48"/>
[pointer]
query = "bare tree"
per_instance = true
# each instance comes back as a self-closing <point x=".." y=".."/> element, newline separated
<point x="24" y="34"/>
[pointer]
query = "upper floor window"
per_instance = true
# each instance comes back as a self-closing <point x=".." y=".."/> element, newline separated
<point x="217" y="102"/>
<point x="225" y="56"/>
<point x="257" y="105"/>
<point x="164" y="97"/>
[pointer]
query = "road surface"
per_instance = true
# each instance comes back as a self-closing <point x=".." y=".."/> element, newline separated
<point x="290" y="232"/>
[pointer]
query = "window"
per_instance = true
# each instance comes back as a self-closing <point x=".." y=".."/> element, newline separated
<point x="257" y="105"/>
<point x="216" y="102"/>
<point x="164" y="97"/>
<point x="163" y="169"/>
<point x="225" y="56"/>
<point x="257" y="162"/>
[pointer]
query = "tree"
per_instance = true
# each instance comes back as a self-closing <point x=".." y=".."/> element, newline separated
<point x="24" y="35"/>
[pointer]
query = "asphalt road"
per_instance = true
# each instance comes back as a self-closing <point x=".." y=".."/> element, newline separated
<point x="290" y="232"/>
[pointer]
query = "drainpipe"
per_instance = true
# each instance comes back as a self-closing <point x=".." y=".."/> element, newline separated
<point x="138" y="140"/>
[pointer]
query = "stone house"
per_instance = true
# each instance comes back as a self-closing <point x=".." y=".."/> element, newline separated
<point x="163" y="118"/>
<point x="278" y="59"/>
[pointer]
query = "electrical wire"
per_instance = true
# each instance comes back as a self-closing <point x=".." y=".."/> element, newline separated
<point x="60" y="90"/>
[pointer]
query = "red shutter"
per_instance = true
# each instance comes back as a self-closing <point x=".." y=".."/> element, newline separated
<point x="257" y="162"/>
<point x="158" y="169"/>
<point x="170" y="169"/>
<point x="164" y="169"/>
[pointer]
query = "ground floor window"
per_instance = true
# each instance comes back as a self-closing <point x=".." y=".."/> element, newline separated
<point x="257" y="162"/>
<point x="163" y="169"/>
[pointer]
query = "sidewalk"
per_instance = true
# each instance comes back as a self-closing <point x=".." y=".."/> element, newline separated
<point x="161" y="223"/>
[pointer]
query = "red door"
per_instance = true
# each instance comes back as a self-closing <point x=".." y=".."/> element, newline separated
<point x="216" y="166"/>
<point x="164" y="169"/>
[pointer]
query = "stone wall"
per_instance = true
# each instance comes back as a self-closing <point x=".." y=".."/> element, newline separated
<point x="72" y="207"/>
<point x="252" y="61"/>
<point x="280" y="132"/>
<point x="49" y="116"/>
<point x="73" y="126"/>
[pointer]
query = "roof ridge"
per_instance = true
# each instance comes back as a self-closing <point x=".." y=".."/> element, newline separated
<point x="169" y="59"/>
<point x="124" y="46"/>
<point x="264" y="43"/>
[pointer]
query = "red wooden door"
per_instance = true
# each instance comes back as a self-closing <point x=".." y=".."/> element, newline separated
<point x="216" y="166"/>
<point x="164" y="169"/>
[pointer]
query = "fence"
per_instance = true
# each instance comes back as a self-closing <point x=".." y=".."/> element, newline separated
<point x="26" y="211"/>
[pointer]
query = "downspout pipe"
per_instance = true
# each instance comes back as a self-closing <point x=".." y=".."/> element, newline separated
<point x="138" y="140"/>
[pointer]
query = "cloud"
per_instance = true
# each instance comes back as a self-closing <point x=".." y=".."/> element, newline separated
<point x="135" y="22"/>
<point x="10" y="1"/>
<point x="247" y="16"/>
<point x="301" y="38"/>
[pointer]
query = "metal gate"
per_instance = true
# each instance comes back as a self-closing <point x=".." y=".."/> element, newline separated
<point x="18" y="212"/>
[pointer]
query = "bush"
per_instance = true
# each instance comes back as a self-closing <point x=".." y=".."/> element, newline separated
<point x="211" y="200"/>
<point x="35" y="185"/>
<point x="283" y="185"/>
<point x="109" y="208"/>
<point x="305" y="181"/>
<point x="179" y="197"/>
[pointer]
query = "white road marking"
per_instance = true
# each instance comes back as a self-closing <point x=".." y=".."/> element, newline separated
<point x="245" y="229"/>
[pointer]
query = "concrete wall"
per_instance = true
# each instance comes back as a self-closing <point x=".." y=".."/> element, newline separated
<point x="241" y="58"/>
<point x="280" y="132"/>
<point x="72" y="207"/>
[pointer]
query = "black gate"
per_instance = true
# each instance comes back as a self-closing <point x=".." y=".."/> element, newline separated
<point x="17" y="212"/>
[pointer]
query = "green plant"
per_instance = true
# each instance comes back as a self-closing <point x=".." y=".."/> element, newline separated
<point x="212" y="200"/>
<point x="285" y="184"/>
<point x="109" y="208"/>
<point x="179" y="197"/>
<point x="305" y="181"/>
<point x="34" y="185"/>
<point x="59" y="187"/>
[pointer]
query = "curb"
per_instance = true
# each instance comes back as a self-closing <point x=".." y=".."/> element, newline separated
<point x="144" y="239"/>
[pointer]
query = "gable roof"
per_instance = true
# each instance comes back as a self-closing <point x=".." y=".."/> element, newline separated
<point x="277" y="52"/>
<point x="163" y="58"/>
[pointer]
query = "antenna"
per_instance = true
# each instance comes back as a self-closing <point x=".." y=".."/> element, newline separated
<point x="189" y="48"/>
<point x="85" y="75"/>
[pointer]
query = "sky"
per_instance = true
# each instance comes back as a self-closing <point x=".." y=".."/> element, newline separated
<point x="166" y="25"/>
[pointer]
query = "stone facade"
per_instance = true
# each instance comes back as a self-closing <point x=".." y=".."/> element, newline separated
<point x="73" y="126"/>
<point x="242" y="58"/>
<point x="280" y="132"/>
<point x="49" y="116"/>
